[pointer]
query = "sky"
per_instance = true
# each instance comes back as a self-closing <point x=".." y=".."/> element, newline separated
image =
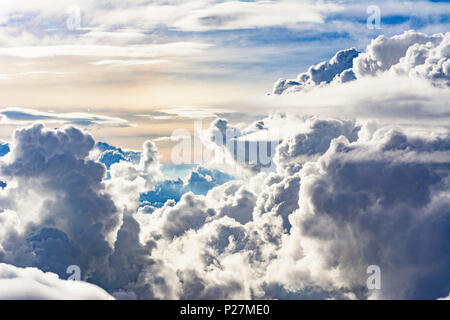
<point x="130" y="59"/>
<point x="224" y="149"/>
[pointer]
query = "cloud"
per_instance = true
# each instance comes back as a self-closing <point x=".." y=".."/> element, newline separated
<point x="7" y="76"/>
<point x="115" y="50"/>
<point x="245" y="15"/>
<point x="383" y="53"/>
<point x="69" y="209"/>
<point x="33" y="284"/>
<point x="404" y="77"/>
<point x="338" y="68"/>
<point x="205" y="15"/>
<point x="26" y="116"/>
<point x="271" y="141"/>
<point x="128" y="62"/>
<point x="4" y="149"/>
<point x="128" y="179"/>
<point x="193" y="112"/>
<point x="108" y="155"/>
<point x="199" y="181"/>
<point x="136" y="51"/>
<point x="385" y="98"/>
<point x="346" y="199"/>
<point x="339" y="196"/>
<point x="210" y="15"/>
<point x="305" y="146"/>
<point x="313" y="231"/>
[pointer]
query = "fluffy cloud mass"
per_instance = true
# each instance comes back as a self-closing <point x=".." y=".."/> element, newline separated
<point x="324" y="199"/>
<point x="398" y="79"/>
<point x="411" y="54"/>
<point x="339" y="68"/>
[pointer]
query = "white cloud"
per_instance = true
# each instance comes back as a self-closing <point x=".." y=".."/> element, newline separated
<point x="33" y="284"/>
<point x="129" y="180"/>
<point x="128" y="62"/>
<point x="25" y="116"/>
<point x="34" y="73"/>
<point x="356" y="199"/>
<point x="338" y="68"/>
<point x="409" y="54"/>
<point x="69" y="205"/>
<point x="386" y="97"/>
<point x="383" y="53"/>
<point x="360" y="197"/>
<point x="403" y="77"/>
<point x="245" y="15"/>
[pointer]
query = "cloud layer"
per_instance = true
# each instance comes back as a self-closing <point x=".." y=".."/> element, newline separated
<point x="344" y="196"/>
<point x="336" y="196"/>
<point x="21" y="116"/>
<point x="409" y="54"/>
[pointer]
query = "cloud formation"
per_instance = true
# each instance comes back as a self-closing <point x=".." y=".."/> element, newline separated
<point x="409" y="54"/>
<point x="138" y="51"/>
<point x="344" y="196"/>
<point x="337" y="196"/>
<point x="403" y="78"/>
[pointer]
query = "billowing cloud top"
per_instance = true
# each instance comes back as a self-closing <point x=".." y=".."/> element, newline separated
<point x="33" y="284"/>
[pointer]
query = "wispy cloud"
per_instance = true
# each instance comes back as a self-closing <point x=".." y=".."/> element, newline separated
<point x="147" y="55"/>
<point x="24" y="116"/>
<point x="128" y="62"/>
<point x="195" y="112"/>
